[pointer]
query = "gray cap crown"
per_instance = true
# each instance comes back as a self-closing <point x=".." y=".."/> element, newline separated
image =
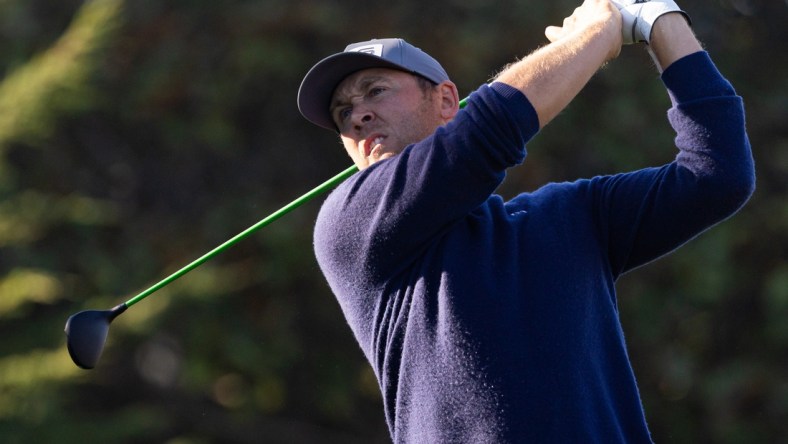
<point x="314" y="95"/>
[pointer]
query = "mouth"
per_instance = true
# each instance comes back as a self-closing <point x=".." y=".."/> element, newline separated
<point x="372" y="144"/>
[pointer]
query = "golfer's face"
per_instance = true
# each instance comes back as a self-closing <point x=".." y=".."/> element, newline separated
<point x="381" y="111"/>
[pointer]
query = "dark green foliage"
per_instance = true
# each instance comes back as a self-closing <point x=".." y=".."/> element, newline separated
<point x="137" y="135"/>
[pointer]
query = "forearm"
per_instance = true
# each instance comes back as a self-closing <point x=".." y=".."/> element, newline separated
<point x="553" y="75"/>
<point x="672" y="39"/>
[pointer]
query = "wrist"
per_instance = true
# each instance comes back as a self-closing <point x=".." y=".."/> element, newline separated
<point x="602" y="37"/>
<point x="610" y="33"/>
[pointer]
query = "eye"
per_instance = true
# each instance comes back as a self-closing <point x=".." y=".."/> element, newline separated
<point x="344" y="113"/>
<point x="376" y="90"/>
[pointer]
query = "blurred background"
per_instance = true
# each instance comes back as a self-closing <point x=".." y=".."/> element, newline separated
<point x="137" y="135"/>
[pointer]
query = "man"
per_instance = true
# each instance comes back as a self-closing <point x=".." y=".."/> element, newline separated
<point x="488" y="321"/>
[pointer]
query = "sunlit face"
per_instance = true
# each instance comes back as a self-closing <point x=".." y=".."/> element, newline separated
<point x="381" y="111"/>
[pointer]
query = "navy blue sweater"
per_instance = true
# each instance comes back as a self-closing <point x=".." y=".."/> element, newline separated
<point x="491" y="322"/>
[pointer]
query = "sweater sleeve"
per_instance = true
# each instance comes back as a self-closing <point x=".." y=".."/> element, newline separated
<point x="648" y="213"/>
<point x="380" y="219"/>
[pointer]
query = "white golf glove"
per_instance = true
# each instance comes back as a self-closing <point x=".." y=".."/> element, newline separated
<point x="638" y="16"/>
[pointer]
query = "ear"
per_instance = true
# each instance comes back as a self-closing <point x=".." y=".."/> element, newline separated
<point x="449" y="100"/>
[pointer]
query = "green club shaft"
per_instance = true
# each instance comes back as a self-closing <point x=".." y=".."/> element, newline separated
<point x="320" y="189"/>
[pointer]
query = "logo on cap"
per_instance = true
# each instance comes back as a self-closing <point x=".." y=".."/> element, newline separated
<point x="376" y="49"/>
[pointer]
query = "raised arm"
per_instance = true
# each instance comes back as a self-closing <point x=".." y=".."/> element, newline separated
<point x="553" y="75"/>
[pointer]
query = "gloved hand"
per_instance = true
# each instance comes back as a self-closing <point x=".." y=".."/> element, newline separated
<point x="638" y="16"/>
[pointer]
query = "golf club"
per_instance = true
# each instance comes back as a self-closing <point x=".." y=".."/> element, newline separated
<point x="86" y="331"/>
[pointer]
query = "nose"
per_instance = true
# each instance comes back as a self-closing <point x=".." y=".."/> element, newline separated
<point x="361" y="116"/>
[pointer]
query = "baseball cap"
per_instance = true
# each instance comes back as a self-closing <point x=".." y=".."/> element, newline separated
<point x="314" y="95"/>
